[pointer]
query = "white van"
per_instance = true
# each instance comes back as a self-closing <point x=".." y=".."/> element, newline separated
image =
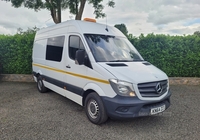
<point x="97" y="67"/>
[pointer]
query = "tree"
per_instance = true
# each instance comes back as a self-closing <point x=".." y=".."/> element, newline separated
<point x="55" y="7"/>
<point x="77" y="6"/>
<point x="197" y="33"/>
<point x="122" y="28"/>
<point x="28" y="31"/>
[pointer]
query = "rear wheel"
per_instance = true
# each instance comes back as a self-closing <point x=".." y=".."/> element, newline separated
<point x="40" y="85"/>
<point x="94" y="109"/>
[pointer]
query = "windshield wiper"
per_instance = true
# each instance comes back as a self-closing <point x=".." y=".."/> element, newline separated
<point x="121" y="61"/>
<point x="137" y="60"/>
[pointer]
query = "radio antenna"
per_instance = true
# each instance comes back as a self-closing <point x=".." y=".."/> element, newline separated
<point x="106" y="24"/>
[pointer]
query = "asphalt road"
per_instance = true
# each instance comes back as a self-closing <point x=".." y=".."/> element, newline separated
<point x="26" y="114"/>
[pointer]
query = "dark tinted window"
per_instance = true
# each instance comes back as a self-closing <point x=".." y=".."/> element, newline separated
<point x="55" y="48"/>
<point x="75" y="44"/>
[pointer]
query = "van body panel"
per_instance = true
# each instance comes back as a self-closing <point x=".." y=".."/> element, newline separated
<point x="70" y="95"/>
<point x="96" y="88"/>
<point x="96" y="28"/>
<point x="135" y="72"/>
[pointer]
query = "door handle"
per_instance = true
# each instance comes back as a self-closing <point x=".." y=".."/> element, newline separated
<point x="68" y="67"/>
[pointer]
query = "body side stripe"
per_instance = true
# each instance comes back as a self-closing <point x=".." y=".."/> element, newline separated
<point x="70" y="73"/>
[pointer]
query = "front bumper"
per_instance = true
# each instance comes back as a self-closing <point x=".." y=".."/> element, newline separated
<point x="129" y="107"/>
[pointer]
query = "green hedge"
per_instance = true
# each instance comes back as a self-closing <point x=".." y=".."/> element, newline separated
<point x="15" y="53"/>
<point x="178" y="56"/>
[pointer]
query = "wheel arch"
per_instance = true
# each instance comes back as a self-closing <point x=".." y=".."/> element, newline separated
<point x="38" y="73"/>
<point x="89" y="88"/>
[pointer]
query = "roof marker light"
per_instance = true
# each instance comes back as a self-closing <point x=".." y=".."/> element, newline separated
<point x="89" y="19"/>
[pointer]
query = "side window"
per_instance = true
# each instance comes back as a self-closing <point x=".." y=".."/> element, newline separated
<point x="75" y="44"/>
<point x="55" y="48"/>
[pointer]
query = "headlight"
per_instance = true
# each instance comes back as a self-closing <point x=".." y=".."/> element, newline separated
<point x="122" y="88"/>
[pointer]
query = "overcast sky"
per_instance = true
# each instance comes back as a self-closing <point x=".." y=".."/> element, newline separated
<point x="173" y="17"/>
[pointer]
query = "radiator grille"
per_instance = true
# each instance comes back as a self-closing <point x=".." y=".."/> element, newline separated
<point x="153" y="89"/>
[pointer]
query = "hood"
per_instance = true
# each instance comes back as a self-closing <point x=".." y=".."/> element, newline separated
<point x="135" y="72"/>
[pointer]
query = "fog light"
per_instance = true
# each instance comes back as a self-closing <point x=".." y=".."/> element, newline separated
<point x="122" y="109"/>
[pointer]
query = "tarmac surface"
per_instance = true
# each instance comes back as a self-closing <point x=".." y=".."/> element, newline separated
<point x="26" y="114"/>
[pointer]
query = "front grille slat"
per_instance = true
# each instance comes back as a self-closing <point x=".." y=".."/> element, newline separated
<point x="149" y="85"/>
<point x="149" y="89"/>
<point x="165" y="86"/>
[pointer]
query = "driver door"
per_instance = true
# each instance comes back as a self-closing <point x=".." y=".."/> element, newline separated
<point x="75" y="74"/>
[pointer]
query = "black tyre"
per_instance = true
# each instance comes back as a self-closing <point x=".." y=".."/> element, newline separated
<point x="40" y="85"/>
<point x="94" y="109"/>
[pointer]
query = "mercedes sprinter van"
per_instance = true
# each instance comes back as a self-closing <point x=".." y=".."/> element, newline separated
<point x="97" y="67"/>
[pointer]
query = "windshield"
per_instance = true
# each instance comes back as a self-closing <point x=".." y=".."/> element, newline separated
<point x="112" y="49"/>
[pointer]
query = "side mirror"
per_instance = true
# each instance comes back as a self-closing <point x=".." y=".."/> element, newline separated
<point x="80" y="57"/>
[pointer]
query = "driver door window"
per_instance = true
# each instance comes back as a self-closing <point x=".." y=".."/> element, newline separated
<point x="75" y="44"/>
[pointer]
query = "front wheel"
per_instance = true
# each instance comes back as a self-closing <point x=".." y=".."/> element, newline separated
<point x="94" y="109"/>
<point x="40" y="85"/>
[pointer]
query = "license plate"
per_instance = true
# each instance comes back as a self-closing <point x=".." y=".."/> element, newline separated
<point x="157" y="110"/>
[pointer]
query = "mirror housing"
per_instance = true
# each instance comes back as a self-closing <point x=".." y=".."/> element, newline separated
<point x="80" y="57"/>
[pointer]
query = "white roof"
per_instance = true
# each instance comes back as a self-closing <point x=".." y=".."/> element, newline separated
<point x="81" y="27"/>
